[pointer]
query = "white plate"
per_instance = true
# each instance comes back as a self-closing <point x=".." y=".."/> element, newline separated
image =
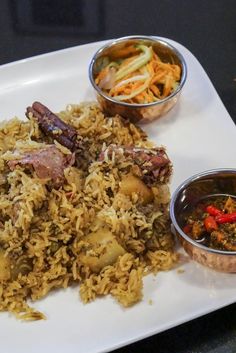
<point x="199" y="135"/>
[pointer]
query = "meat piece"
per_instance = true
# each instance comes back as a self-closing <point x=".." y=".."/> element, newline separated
<point x="54" y="127"/>
<point x="152" y="165"/>
<point x="48" y="163"/>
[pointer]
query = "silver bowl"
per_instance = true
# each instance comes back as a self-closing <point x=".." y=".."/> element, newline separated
<point x="139" y="112"/>
<point x="209" y="183"/>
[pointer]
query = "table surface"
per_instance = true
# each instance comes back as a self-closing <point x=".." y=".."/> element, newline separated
<point x="206" y="28"/>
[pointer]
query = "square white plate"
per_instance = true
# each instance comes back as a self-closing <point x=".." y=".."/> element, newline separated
<point x="199" y="135"/>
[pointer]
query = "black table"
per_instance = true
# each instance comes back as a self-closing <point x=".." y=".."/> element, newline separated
<point x="206" y="27"/>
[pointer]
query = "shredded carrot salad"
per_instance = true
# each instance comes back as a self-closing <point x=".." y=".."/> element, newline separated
<point x="136" y="74"/>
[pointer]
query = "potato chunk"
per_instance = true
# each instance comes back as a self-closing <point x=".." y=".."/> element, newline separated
<point x="131" y="184"/>
<point x="5" y="267"/>
<point x="104" y="250"/>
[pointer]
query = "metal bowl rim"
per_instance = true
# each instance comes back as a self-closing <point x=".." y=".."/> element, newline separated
<point x="136" y="105"/>
<point x="182" y="186"/>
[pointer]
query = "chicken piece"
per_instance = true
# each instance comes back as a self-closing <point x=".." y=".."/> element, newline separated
<point x="48" y="163"/>
<point x="152" y="165"/>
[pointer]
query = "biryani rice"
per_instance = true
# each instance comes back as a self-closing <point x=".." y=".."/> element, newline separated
<point x="44" y="232"/>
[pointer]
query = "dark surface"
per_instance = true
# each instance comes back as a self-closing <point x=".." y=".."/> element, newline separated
<point x="214" y="333"/>
<point x="206" y="27"/>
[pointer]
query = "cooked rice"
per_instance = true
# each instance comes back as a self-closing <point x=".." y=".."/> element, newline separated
<point x="43" y="232"/>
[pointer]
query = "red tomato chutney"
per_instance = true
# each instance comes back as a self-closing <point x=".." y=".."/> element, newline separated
<point x="212" y="222"/>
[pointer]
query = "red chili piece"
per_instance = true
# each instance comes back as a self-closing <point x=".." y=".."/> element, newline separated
<point x="226" y="218"/>
<point x="210" y="224"/>
<point x="187" y="228"/>
<point x="213" y="211"/>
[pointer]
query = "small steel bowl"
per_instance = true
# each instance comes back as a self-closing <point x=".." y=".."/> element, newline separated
<point x="217" y="182"/>
<point x="139" y="112"/>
